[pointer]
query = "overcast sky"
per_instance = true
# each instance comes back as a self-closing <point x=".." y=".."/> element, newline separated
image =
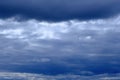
<point x="59" y="10"/>
<point x="52" y="37"/>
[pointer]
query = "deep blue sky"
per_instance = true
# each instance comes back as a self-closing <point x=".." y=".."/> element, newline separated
<point x="58" y="10"/>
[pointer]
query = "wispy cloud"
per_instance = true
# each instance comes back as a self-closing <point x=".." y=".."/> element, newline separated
<point x="26" y="76"/>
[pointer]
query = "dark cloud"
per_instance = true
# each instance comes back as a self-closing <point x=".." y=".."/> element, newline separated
<point x="58" y="10"/>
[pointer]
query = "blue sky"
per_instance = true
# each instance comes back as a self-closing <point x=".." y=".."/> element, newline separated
<point x="59" y="38"/>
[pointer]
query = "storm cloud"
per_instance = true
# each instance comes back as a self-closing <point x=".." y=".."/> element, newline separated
<point x="59" y="10"/>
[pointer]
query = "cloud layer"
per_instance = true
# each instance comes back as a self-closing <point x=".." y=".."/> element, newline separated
<point x="77" y="47"/>
<point x="27" y="76"/>
<point x="59" y="10"/>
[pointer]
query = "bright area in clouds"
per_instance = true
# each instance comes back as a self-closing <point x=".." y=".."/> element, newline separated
<point x="26" y="76"/>
<point x="70" y="37"/>
<point x="70" y="47"/>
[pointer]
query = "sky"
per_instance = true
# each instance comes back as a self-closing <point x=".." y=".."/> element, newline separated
<point x="59" y="39"/>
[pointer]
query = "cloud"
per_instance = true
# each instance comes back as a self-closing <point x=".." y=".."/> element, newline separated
<point x="59" y="10"/>
<point x="17" y="33"/>
<point x="26" y="76"/>
<point x="72" y="46"/>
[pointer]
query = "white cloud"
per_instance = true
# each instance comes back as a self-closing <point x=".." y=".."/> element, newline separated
<point x="29" y="76"/>
<point x="59" y="30"/>
<point x="49" y="36"/>
<point x="13" y="33"/>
